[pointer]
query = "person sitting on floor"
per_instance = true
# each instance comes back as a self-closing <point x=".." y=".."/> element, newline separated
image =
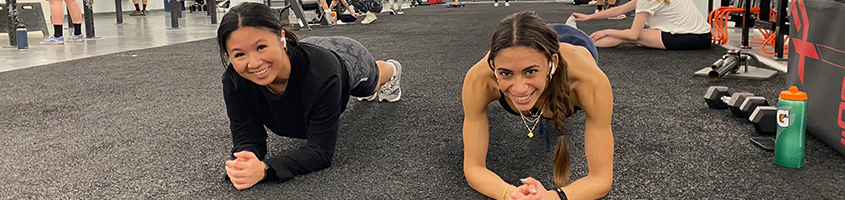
<point x="672" y="25"/>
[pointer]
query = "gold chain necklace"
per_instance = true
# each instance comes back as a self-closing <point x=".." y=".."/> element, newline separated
<point x="535" y="121"/>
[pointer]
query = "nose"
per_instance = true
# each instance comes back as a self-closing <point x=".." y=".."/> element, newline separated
<point x="519" y="86"/>
<point x="254" y="62"/>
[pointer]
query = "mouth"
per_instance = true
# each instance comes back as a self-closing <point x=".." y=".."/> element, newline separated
<point x="522" y="99"/>
<point x="261" y="74"/>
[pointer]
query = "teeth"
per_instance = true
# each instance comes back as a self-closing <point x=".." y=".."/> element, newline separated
<point x="522" y="98"/>
<point x="261" y="72"/>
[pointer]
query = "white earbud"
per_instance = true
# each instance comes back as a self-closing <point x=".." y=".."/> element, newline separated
<point x="553" y="69"/>
<point x="284" y="40"/>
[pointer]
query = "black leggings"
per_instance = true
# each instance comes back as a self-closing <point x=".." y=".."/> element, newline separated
<point x="686" y="41"/>
<point x="364" y="6"/>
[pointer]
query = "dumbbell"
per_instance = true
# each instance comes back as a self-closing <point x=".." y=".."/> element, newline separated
<point x="750" y="103"/>
<point x="764" y="119"/>
<point x="713" y="97"/>
<point x="718" y="97"/>
<point x="735" y="101"/>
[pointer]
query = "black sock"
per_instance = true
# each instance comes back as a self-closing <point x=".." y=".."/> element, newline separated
<point x="610" y="6"/>
<point x="599" y="7"/>
<point x="77" y="29"/>
<point x="145" y="7"/>
<point x="57" y="30"/>
<point x="137" y="8"/>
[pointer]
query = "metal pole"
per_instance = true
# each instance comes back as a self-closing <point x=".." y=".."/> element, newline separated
<point x="781" y="28"/>
<point x="211" y="7"/>
<point x="89" y="18"/>
<point x="746" y="24"/>
<point x="13" y="22"/>
<point x="118" y="11"/>
<point x="174" y="15"/>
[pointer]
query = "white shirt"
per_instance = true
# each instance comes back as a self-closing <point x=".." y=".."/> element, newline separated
<point x="679" y="17"/>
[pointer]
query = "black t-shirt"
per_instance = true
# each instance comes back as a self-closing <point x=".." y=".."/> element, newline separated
<point x="309" y="108"/>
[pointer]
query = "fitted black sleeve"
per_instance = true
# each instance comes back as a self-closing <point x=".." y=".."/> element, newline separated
<point x="248" y="133"/>
<point x="323" y="112"/>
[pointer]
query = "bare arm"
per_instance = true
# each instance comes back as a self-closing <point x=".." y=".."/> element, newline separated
<point x="636" y="28"/>
<point x="476" y="95"/>
<point x="596" y="99"/>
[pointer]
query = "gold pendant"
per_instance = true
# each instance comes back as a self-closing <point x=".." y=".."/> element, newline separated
<point x="531" y="134"/>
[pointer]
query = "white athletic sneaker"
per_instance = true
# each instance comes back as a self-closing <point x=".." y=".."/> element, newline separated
<point x="622" y="16"/>
<point x="496" y="5"/>
<point x="369" y="18"/>
<point x="391" y="91"/>
<point x="507" y="4"/>
<point x="368" y="98"/>
<point x="571" y="22"/>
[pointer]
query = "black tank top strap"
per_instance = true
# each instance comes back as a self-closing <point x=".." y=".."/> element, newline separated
<point x="504" y="103"/>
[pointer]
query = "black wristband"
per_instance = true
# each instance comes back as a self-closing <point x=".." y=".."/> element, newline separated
<point x="269" y="174"/>
<point x="561" y="194"/>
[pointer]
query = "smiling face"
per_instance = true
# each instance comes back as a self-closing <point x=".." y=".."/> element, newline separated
<point x="522" y="74"/>
<point x="258" y="55"/>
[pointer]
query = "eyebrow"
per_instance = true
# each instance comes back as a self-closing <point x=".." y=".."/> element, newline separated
<point x="526" y="69"/>
<point x="256" y="43"/>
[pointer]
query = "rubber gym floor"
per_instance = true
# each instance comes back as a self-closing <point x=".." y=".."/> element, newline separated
<point x="151" y="124"/>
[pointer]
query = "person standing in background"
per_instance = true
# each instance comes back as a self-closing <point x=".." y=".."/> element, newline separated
<point x="138" y="10"/>
<point x="57" y="14"/>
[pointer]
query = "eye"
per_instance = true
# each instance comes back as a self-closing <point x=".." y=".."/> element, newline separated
<point x="531" y="72"/>
<point x="504" y="74"/>
<point x="238" y="55"/>
<point x="261" y="47"/>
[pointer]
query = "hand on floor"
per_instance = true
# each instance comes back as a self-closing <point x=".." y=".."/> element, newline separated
<point x="531" y="189"/>
<point x="598" y="35"/>
<point x="245" y="171"/>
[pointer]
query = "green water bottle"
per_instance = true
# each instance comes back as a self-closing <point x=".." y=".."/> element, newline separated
<point x="792" y="124"/>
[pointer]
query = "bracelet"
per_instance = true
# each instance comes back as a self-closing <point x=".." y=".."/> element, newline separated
<point x="561" y="194"/>
<point x="504" y="195"/>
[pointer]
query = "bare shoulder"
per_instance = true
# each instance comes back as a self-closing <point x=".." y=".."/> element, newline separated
<point x="479" y="87"/>
<point x="589" y="83"/>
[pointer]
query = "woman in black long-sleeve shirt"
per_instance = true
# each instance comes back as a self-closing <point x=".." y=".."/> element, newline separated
<point x="293" y="88"/>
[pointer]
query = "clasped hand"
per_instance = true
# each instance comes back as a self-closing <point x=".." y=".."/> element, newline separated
<point x="531" y="189"/>
<point x="245" y="171"/>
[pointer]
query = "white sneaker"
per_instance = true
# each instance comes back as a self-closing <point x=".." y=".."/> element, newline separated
<point x="496" y="5"/>
<point x="391" y="91"/>
<point x="369" y="17"/>
<point x="571" y="22"/>
<point x="622" y="16"/>
<point x="368" y="98"/>
<point x="507" y="4"/>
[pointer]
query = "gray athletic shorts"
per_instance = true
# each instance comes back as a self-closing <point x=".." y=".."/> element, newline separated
<point x="362" y="68"/>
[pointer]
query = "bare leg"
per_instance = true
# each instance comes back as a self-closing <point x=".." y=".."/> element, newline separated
<point x="56" y="12"/>
<point x="385" y="72"/>
<point x="610" y="42"/>
<point x="75" y="11"/>
<point x="649" y="38"/>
